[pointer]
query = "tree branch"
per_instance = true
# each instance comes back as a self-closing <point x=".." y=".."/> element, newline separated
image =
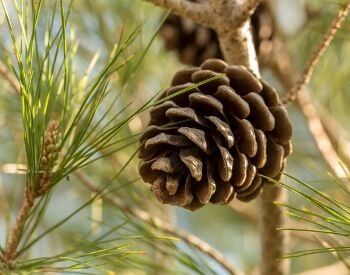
<point x="273" y="241"/>
<point x="4" y="73"/>
<point x="247" y="9"/>
<point x="15" y="236"/>
<point x="198" y="12"/>
<point x="318" y="53"/>
<point x="162" y="226"/>
<point x="336" y="137"/>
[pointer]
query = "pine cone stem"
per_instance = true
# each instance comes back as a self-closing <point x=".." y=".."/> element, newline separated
<point x="238" y="47"/>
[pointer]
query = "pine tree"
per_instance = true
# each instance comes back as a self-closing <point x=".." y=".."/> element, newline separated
<point x="102" y="126"/>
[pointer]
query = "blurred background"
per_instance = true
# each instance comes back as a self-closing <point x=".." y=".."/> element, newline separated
<point x="290" y="31"/>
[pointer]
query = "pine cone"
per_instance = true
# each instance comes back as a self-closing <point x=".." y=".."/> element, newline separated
<point x="49" y="156"/>
<point x="194" y="43"/>
<point x="263" y="31"/>
<point x="209" y="144"/>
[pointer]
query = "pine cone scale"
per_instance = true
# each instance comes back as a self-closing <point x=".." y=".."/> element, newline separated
<point x="225" y="164"/>
<point x="247" y="142"/>
<point x="274" y="162"/>
<point x="206" y="103"/>
<point x="260" y="157"/>
<point x="192" y="160"/>
<point x="172" y="184"/>
<point x="207" y="187"/>
<point x="240" y="169"/>
<point x="224" y="129"/>
<point x="235" y="104"/>
<point x="260" y="114"/>
<point x="243" y="81"/>
<point x="223" y="193"/>
<point x="197" y="136"/>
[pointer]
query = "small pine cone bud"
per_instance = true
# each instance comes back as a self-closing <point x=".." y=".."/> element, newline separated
<point x="210" y="144"/>
<point x="48" y="158"/>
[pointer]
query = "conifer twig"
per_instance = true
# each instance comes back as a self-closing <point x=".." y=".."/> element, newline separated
<point x="334" y="133"/>
<point x="162" y="226"/>
<point x="34" y="190"/>
<point x="318" y="53"/>
<point x="4" y="73"/>
<point x="15" y="235"/>
<point x="273" y="241"/>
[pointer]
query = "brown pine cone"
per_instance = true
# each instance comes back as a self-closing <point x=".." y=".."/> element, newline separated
<point x="263" y="31"/>
<point x="194" y="43"/>
<point x="209" y="144"/>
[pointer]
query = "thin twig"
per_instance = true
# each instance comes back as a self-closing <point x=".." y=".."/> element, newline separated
<point x="273" y="241"/>
<point x="14" y="238"/>
<point x="334" y="133"/>
<point x="4" y="73"/>
<point x="162" y="226"/>
<point x="320" y="136"/>
<point x="320" y="50"/>
<point x="32" y="192"/>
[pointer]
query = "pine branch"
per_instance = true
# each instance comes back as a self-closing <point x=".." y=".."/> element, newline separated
<point x="162" y="226"/>
<point x="198" y="12"/>
<point x="334" y="133"/>
<point x="230" y="19"/>
<point x="273" y="241"/>
<point x="318" y="53"/>
<point x="319" y="134"/>
<point x="33" y="191"/>
<point x="15" y="235"/>
<point x="5" y="74"/>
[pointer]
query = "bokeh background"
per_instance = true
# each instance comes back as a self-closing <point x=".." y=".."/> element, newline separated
<point x="233" y="230"/>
